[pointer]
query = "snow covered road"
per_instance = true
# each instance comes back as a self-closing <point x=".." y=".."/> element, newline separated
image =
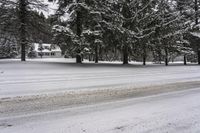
<point x="175" y="112"/>
<point x="34" y="78"/>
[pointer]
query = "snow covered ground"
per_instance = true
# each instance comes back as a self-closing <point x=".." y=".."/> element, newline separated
<point x="59" y="96"/>
<point x="176" y="112"/>
<point x="35" y="77"/>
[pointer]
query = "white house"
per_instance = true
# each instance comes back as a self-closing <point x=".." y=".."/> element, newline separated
<point x="47" y="50"/>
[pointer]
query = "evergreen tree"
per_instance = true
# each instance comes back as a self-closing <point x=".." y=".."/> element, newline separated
<point x="17" y="18"/>
<point x="170" y="29"/>
<point x="77" y="9"/>
<point x="87" y="22"/>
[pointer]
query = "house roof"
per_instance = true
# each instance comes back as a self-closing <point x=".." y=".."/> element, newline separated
<point x="47" y="47"/>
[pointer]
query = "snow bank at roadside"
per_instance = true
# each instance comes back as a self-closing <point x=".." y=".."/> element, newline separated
<point x="48" y="102"/>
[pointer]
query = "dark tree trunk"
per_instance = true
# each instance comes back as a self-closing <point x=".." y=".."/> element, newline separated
<point x="166" y="62"/>
<point x="22" y="29"/>
<point x="89" y="56"/>
<point x="78" y="58"/>
<point x="100" y="53"/>
<point x="79" y="31"/>
<point x="185" y="60"/>
<point x="93" y="57"/>
<point x="144" y="60"/>
<point x="160" y="56"/>
<point x="96" y="54"/>
<point x="144" y="55"/>
<point x="115" y="53"/>
<point x="82" y="57"/>
<point x="196" y="22"/>
<point x="199" y="57"/>
<point x="166" y="57"/>
<point x="125" y="55"/>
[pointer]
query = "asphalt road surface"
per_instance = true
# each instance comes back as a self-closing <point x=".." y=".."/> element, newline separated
<point x="174" y="112"/>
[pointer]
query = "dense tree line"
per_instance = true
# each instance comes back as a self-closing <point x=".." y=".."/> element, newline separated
<point x="109" y="29"/>
<point x="133" y="28"/>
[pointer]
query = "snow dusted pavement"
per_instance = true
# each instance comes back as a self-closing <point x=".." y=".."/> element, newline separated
<point x="175" y="112"/>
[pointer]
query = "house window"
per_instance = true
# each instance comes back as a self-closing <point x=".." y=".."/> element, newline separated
<point x="52" y="54"/>
<point x="47" y="54"/>
<point x="46" y="47"/>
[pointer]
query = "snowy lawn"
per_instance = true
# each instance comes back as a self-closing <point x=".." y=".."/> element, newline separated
<point x="42" y="76"/>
